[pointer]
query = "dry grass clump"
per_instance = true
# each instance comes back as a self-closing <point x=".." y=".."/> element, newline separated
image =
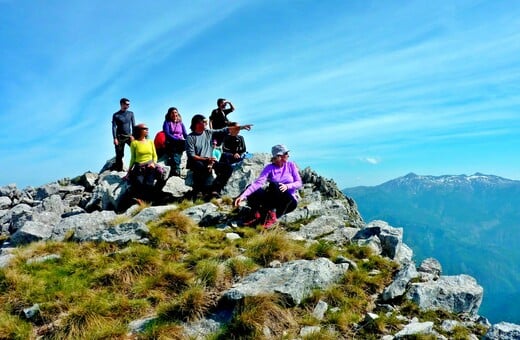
<point x="212" y="273"/>
<point x="255" y="314"/>
<point x="241" y="266"/>
<point x="161" y="330"/>
<point x="274" y="245"/>
<point x="12" y="328"/>
<point x="190" y="305"/>
<point x="322" y="248"/>
<point x="179" y="222"/>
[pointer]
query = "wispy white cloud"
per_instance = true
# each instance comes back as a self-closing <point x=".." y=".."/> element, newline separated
<point x="370" y="160"/>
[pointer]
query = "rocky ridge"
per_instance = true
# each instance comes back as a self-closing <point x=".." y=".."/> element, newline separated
<point x="83" y="209"/>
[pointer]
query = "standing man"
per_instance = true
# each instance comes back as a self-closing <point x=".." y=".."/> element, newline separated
<point x="218" y="118"/>
<point x="200" y="156"/>
<point x="123" y="122"/>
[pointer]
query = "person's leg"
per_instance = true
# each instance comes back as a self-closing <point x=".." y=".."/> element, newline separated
<point x="285" y="203"/>
<point x="200" y="176"/>
<point x="223" y="172"/>
<point x="120" y="153"/>
<point x="176" y="164"/>
<point x="256" y="212"/>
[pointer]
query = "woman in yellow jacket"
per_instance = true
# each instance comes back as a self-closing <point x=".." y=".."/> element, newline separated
<point x="144" y="174"/>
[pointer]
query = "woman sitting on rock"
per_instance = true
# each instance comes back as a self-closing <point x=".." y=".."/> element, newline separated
<point x="144" y="174"/>
<point x="279" y="198"/>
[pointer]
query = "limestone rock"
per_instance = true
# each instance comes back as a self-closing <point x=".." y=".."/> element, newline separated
<point x="30" y="232"/>
<point x="123" y="233"/>
<point x="400" y="282"/>
<point x="83" y="226"/>
<point x="457" y="294"/>
<point x="5" y="202"/>
<point x="294" y="280"/>
<point x="415" y="328"/>
<point x="503" y="331"/>
<point x="109" y="191"/>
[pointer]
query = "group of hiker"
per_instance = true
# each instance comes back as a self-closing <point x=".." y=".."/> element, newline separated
<point x="217" y="149"/>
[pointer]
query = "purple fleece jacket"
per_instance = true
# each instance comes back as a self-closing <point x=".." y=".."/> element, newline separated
<point x="286" y="174"/>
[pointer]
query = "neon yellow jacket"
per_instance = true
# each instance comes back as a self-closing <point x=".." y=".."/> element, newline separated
<point x="142" y="152"/>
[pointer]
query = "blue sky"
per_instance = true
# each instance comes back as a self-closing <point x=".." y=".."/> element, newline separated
<point x="361" y="91"/>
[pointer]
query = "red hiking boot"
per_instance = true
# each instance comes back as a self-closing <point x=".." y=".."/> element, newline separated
<point x="270" y="219"/>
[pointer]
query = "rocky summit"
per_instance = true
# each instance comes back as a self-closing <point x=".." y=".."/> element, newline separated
<point x="87" y="209"/>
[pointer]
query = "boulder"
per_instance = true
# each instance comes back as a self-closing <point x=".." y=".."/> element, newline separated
<point x="151" y="213"/>
<point x="457" y="294"/>
<point x="109" y="191"/>
<point x="245" y="173"/>
<point x="503" y="331"/>
<point x="87" y="180"/>
<point x="176" y="187"/>
<point x="205" y="214"/>
<point x="5" y="202"/>
<point x="415" y="328"/>
<point x="123" y="234"/>
<point x="19" y="214"/>
<point x="52" y="204"/>
<point x="390" y="241"/>
<point x="430" y="269"/>
<point x="31" y="231"/>
<point x="294" y="280"/>
<point x="321" y="226"/>
<point x="47" y="190"/>
<point x="400" y="282"/>
<point x="83" y="226"/>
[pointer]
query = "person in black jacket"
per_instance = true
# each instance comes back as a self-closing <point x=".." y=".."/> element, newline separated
<point x="233" y="147"/>
<point x="123" y="122"/>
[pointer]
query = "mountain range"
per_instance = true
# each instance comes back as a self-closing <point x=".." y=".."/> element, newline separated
<point x="471" y="224"/>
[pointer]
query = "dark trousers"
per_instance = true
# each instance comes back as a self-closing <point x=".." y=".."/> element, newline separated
<point x="201" y="174"/>
<point x="174" y="150"/>
<point x="272" y="198"/>
<point x="120" y="151"/>
<point x="227" y="157"/>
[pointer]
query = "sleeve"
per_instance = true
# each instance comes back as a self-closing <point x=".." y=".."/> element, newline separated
<point x="227" y="111"/>
<point x="184" y="133"/>
<point x="154" y="152"/>
<point x="258" y="183"/>
<point x="132" y="154"/>
<point x="297" y="180"/>
<point x="132" y="120"/>
<point x="190" y="146"/>
<point x="220" y="133"/>
<point x="114" y="126"/>
<point x="242" y="148"/>
<point x="212" y="115"/>
<point x="167" y="130"/>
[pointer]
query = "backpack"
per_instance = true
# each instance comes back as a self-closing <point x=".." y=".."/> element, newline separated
<point x="160" y="142"/>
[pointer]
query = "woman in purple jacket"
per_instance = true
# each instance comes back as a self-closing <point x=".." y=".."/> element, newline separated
<point x="175" y="139"/>
<point x="280" y="197"/>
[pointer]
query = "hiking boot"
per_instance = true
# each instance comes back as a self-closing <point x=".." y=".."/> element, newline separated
<point x="253" y="220"/>
<point x="270" y="219"/>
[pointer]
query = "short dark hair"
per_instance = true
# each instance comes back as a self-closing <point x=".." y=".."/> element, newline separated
<point x="195" y="120"/>
<point x="123" y="100"/>
<point x="220" y="100"/>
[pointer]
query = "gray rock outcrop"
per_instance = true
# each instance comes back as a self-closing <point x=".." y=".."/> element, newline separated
<point x="82" y="209"/>
<point x="503" y="331"/>
<point x="294" y="280"/>
<point x="457" y="294"/>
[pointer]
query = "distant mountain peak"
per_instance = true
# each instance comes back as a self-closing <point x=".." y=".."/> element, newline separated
<point x="414" y="181"/>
